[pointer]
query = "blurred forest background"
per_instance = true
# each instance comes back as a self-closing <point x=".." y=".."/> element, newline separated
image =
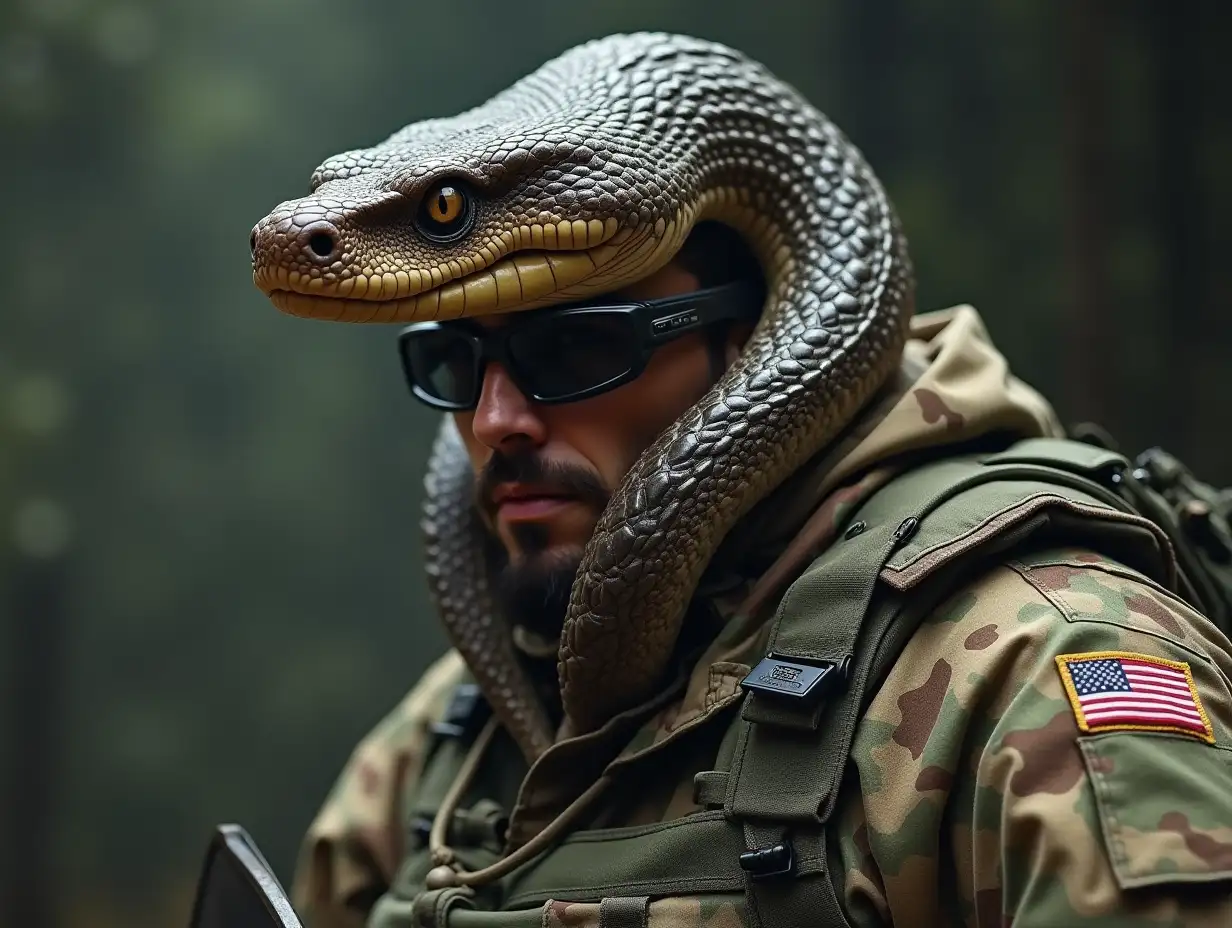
<point x="209" y="553"/>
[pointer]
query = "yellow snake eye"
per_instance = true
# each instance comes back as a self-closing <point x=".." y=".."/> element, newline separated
<point x="445" y="205"/>
<point x="445" y="212"/>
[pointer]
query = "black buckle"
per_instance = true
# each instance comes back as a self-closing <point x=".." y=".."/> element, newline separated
<point x="465" y="715"/>
<point x="421" y="830"/>
<point x="768" y="863"/>
<point x="796" y="678"/>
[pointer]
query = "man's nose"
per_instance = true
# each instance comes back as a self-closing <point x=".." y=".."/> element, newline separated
<point x="504" y="416"/>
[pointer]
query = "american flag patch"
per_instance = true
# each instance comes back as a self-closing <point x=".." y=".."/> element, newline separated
<point x="1118" y="691"/>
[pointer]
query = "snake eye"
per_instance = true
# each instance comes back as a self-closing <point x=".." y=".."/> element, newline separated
<point x="445" y="213"/>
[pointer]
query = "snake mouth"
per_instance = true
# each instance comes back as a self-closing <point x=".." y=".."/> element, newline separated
<point x="523" y="280"/>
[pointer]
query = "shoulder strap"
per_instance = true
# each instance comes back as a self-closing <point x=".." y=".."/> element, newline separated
<point x="843" y="623"/>
<point x="1194" y="515"/>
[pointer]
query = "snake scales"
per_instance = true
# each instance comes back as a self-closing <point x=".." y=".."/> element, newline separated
<point x="581" y="177"/>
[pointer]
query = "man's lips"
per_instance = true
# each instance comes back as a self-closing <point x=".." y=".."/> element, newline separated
<point x="515" y="502"/>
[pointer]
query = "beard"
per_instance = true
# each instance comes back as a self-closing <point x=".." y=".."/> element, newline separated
<point x="534" y="591"/>
<point x="533" y="586"/>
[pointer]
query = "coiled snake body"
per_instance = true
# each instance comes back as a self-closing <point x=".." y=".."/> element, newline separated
<point x="582" y="177"/>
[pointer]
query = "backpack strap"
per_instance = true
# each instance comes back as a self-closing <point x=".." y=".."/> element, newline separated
<point x="842" y="624"/>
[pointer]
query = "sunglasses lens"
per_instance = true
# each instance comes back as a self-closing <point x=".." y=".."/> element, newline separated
<point x="573" y="354"/>
<point x="442" y="365"/>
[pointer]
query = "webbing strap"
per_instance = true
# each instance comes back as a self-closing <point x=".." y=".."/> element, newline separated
<point x="796" y="899"/>
<point x="1078" y="457"/>
<point x="694" y="855"/>
<point x="783" y="770"/>
<point x="624" y="912"/>
<point x="710" y="788"/>
<point x="783" y="767"/>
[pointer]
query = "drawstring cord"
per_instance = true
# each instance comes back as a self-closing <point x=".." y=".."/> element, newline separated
<point x="441" y="852"/>
<point x="447" y="872"/>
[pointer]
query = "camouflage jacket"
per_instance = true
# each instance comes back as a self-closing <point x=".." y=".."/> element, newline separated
<point x="987" y="785"/>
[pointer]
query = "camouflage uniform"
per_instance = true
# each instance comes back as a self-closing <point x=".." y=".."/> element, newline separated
<point x="982" y="790"/>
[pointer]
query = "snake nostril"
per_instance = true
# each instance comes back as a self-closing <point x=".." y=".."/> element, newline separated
<point x="322" y="244"/>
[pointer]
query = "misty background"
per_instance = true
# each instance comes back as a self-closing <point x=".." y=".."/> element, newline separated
<point x="210" y="582"/>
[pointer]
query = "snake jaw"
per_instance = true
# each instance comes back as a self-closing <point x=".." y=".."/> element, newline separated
<point x="546" y="196"/>
<point x="523" y="268"/>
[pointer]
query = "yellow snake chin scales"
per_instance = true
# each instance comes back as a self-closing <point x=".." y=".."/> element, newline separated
<point x="582" y="177"/>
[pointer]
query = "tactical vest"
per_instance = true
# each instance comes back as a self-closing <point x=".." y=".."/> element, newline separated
<point x="761" y="840"/>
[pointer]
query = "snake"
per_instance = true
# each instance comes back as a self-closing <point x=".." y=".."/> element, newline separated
<point x="581" y="177"/>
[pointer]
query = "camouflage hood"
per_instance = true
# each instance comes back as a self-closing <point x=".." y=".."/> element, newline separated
<point x="954" y="389"/>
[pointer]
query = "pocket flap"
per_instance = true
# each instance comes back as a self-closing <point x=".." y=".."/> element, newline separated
<point x="1165" y="806"/>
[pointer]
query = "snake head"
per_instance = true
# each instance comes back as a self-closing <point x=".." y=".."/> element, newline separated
<point x="582" y="177"/>
<point x="578" y="179"/>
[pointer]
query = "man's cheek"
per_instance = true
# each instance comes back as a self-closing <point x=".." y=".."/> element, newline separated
<point x="477" y="452"/>
<point x="578" y="522"/>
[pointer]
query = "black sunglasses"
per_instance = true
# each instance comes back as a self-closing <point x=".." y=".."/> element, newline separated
<point x="561" y="354"/>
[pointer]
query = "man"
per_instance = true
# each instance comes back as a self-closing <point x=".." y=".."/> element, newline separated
<point x="1047" y="742"/>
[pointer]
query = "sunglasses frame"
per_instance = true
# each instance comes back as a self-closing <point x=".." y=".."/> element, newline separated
<point x="654" y="323"/>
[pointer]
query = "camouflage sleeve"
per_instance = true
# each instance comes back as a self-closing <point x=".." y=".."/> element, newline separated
<point x="355" y="842"/>
<point x="1054" y="748"/>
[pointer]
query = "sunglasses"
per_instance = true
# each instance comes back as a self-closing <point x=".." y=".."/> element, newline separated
<point x="561" y="354"/>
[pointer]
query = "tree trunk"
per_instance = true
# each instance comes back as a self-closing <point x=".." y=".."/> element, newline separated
<point x="1182" y="289"/>
<point x="1089" y="341"/>
<point x="28" y="879"/>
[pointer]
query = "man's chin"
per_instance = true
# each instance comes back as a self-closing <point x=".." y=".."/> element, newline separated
<point x="547" y="560"/>
<point x="552" y="538"/>
<point x="533" y="588"/>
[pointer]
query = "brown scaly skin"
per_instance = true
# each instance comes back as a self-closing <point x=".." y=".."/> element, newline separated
<point x="587" y="175"/>
<point x="459" y="584"/>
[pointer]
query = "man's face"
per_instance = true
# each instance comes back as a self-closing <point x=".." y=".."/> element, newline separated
<point x="545" y="472"/>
